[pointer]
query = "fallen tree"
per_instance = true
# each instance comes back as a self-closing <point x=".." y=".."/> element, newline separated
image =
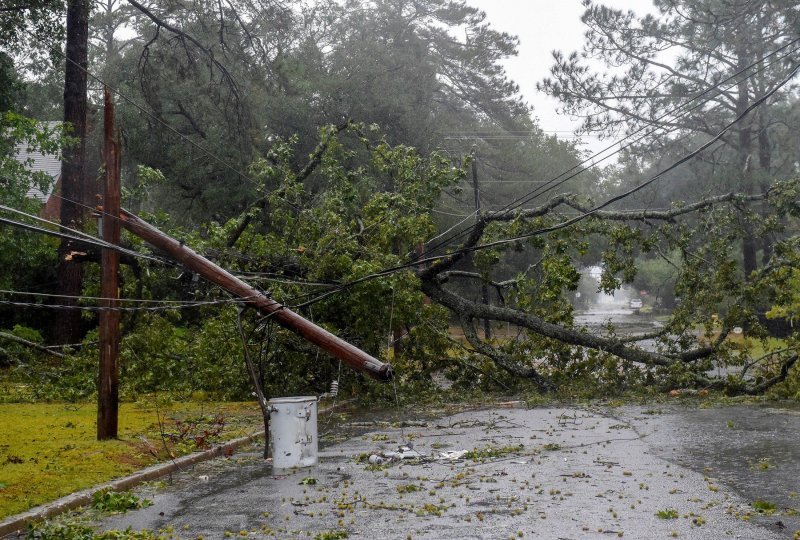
<point x="351" y="243"/>
<point x="706" y="271"/>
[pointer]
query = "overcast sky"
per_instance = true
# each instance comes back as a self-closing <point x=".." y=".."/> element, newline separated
<point x="542" y="26"/>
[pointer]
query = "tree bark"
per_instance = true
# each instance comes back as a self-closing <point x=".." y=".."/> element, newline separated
<point x="73" y="169"/>
<point x="744" y="149"/>
<point x="765" y="163"/>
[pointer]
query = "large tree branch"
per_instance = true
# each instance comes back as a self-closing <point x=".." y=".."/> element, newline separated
<point x="468" y="308"/>
<point x="445" y="276"/>
<point x="183" y="37"/>
<point x="570" y="201"/>
<point x="31" y="344"/>
<point x="780" y="377"/>
<point x="500" y="358"/>
<point x="446" y="263"/>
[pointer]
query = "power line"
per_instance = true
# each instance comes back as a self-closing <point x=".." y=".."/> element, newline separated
<point x="39" y="230"/>
<point x="434" y="210"/>
<point x="655" y="177"/>
<point x="536" y="192"/>
<point x="555" y="180"/>
<point x="564" y="224"/>
<point x="114" y="308"/>
<point x="516" y="203"/>
<point x="130" y="300"/>
<point x="78" y="236"/>
<point x="580" y="217"/>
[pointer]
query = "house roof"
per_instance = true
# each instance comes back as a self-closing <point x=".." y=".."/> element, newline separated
<point x="38" y="162"/>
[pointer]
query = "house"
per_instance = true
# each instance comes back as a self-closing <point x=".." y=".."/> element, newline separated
<point x="36" y="161"/>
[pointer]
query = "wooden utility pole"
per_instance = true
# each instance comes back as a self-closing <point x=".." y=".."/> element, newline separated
<point x="108" y="382"/>
<point x="347" y="353"/>
<point x="487" y="324"/>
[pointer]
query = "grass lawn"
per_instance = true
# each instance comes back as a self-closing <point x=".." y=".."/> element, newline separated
<point x="48" y="450"/>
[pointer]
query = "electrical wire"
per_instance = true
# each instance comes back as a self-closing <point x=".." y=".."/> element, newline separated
<point x="77" y="236"/>
<point x="516" y="203"/>
<point x="519" y="201"/>
<point x="579" y="217"/>
<point x="131" y="300"/>
<point x="116" y="308"/>
<point x="655" y="177"/>
<point x="39" y="230"/>
<point x="538" y="191"/>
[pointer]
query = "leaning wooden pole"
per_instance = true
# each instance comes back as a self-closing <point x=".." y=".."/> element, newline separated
<point x="108" y="382"/>
<point x="337" y="347"/>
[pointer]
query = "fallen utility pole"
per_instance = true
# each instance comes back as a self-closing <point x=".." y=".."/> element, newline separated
<point x="344" y="351"/>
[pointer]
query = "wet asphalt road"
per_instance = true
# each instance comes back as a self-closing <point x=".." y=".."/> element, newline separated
<point x="550" y="473"/>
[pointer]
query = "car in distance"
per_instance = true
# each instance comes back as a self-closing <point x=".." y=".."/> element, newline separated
<point x="635" y="304"/>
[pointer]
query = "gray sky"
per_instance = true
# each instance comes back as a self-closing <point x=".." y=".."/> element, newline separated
<point x="542" y="26"/>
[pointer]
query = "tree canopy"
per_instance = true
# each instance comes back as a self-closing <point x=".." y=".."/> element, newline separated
<point x="336" y="152"/>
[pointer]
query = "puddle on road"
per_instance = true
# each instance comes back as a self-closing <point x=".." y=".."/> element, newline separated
<point x="751" y="449"/>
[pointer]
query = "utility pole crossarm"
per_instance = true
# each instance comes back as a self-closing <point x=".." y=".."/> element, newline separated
<point x="337" y="347"/>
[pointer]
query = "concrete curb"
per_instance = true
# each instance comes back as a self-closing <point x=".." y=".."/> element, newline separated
<point x="18" y="522"/>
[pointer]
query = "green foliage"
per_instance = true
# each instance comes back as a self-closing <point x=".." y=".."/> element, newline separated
<point x="320" y="209"/>
<point x="367" y="218"/>
<point x="331" y="535"/>
<point x="60" y="531"/>
<point x="764" y="507"/>
<point x="37" y="19"/>
<point x="11" y="87"/>
<point x="71" y="379"/>
<point x="16" y="354"/>
<point x="118" y="502"/>
<point x="77" y="530"/>
<point x="493" y="452"/>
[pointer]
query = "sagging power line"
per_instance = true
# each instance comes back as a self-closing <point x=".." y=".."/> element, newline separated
<point x="593" y="160"/>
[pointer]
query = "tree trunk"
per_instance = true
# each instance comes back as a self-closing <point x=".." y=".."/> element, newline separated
<point x="765" y="162"/>
<point x="73" y="168"/>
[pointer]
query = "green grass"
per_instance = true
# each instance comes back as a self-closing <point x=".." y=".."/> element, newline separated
<point x="48" y="450"/>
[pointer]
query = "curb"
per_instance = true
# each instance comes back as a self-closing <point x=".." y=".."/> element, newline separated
<point x="18" y="522"/>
